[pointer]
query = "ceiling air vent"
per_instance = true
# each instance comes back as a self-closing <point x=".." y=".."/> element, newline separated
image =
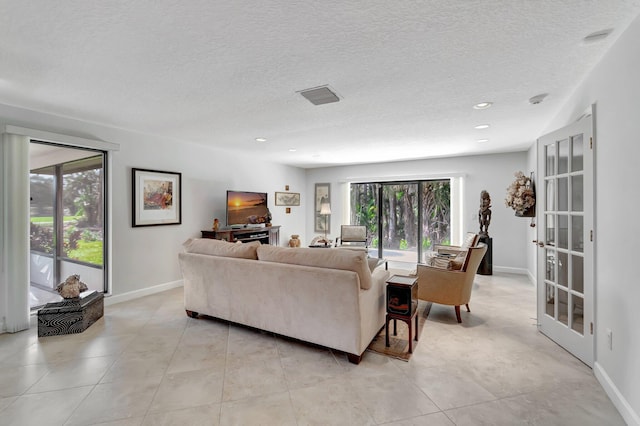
<point x="319" y="95"/>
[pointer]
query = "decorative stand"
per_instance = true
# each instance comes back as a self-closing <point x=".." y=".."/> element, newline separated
<point x="486" y="265"/>
<point x="71" y="315"/>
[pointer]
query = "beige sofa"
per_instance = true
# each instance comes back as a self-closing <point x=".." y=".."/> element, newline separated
<point x="333" y="298"/>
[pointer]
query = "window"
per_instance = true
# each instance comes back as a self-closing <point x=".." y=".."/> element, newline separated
<point x="403" y="219"/>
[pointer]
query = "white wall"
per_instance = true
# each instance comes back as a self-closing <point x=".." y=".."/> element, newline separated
<point x="146" y="257"/>
<point x="493" y="173"/>
<point x="614" y="87"/>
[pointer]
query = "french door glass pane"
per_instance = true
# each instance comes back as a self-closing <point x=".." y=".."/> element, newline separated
<point x="550" y="201"/>
<point x="563" y="307"/>
<point x="550" y="163"/>
<point x="563" y="231"/>
<point x="577" y="233"/>
<point x="436" y="213"/>
<point x="563" y="156"/>
<point x="550" y="230"/>
<point x="563" y="194"/>
<point x="551" y="300"/>
<point x="577" y="202"/>
<point x="577" y="314"/>
<point x="551" y="263"/>
<point x="577" y="273"/>
<point x="577" y="153"/>
<point x="563" y="269"/>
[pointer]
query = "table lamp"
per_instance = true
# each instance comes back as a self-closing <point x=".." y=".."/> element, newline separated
<point x="325" y="209"/>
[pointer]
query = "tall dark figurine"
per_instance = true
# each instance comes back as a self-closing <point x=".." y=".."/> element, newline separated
<point x="484" y="214"/>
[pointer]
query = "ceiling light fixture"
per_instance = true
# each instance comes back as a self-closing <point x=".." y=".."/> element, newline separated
<point x="481" y="126"/>
<point x="598" y="35"/>
<point x="261" y="140"/>
<point x="538" y="99"/>
<point x="483" y="105"/>
<point x="483" y="140"/>
<point x="292" y="150"/>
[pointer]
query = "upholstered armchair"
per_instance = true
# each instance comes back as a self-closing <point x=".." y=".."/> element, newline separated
<point x="449" y="286"/>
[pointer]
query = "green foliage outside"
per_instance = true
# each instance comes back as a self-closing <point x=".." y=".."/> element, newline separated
<point x="82" y="226"/>
<point x="405" y="223"/>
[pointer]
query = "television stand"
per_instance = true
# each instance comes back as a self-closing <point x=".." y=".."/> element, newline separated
<point x="266" y="235"/>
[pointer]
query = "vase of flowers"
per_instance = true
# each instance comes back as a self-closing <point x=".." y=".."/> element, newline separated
<point x="521" y="196"/>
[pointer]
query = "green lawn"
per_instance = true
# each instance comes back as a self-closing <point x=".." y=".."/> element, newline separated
<point x="87" y="251"/>
<point x="43" y="220"/>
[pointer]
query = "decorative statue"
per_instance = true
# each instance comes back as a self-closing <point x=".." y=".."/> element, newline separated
<point x="216" y="224"/>
<point x="71" y="287"/>
<point x="484" y="214"/>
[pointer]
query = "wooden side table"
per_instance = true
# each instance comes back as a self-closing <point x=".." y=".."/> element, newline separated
<point x="402" y="304"/>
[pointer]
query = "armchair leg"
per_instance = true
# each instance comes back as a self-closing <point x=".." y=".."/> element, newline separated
<point x="468" y="310"/>
<point x="457" y="307"/>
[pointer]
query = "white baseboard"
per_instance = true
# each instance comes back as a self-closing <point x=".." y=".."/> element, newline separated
<point x="626" y="411"/>
<point x="119" y="298"/>
<point x="509" y="270"/>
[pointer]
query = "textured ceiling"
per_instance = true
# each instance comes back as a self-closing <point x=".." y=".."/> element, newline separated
<point x="224" y="73"/>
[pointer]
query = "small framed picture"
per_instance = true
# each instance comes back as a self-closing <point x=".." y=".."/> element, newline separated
<point x="287" y="198"/>
<point x="157" y="198"/>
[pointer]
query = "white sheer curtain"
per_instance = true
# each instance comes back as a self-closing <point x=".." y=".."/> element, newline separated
<point x="14" y="253"/>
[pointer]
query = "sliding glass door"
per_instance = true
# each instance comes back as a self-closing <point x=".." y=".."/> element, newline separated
<point x="67" y="219"/>
<point x="403" y="219"/>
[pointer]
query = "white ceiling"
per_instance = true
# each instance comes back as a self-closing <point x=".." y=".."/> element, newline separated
<point x="224" y="73"/>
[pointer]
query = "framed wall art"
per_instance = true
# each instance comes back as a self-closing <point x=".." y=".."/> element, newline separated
<point x="287" y="198"/>
<point x="157" y="198"/>
<point x="322" y="222"/>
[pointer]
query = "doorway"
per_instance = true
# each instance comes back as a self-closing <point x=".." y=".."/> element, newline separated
<point x="565" y="276"/>
<point x="67" y="211"/>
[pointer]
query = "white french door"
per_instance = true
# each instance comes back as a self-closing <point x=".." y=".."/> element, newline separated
<point x="565" y="238"/>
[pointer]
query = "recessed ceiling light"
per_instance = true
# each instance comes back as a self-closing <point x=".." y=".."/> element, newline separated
<point x="483" y="140"/>
<point x="261" y="140"/>
<point x="598" y="35"/>
<point x="483" y="105"/>
<point x="292" y="150"/>
<point x="481" y="126"/>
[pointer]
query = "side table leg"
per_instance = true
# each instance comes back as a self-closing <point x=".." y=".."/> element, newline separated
<point x="416" y="338"/>
<point x="386" y="332"/>
<point x="395" y="330"/>
<point x="410" y="340"/>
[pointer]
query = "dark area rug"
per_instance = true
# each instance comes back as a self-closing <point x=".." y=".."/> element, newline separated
<point x="399" y="345"/>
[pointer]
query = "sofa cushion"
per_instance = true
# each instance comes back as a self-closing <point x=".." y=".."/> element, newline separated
<point x="221" y="248"/>
<point x="348" y="260"/>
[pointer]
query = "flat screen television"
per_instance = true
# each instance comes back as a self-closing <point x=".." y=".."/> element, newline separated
<point x="244" y="208"/>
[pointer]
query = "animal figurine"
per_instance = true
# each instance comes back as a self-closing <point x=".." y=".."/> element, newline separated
<point x="71" y="287"/>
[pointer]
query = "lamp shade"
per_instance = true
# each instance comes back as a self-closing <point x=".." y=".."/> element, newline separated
<point x="325" y="208"/>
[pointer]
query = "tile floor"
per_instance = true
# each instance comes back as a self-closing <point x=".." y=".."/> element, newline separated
<point x="147" y="363"/>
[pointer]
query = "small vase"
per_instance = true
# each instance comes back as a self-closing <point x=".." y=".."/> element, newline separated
<point x="294" y="241"/>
